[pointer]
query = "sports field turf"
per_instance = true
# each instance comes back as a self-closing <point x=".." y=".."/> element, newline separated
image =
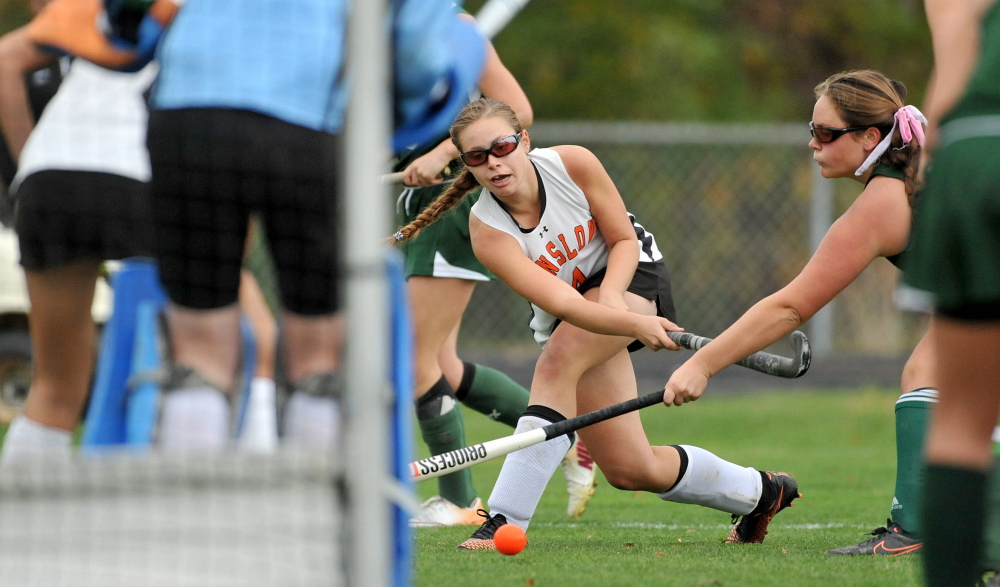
<point x="838" y="444"/>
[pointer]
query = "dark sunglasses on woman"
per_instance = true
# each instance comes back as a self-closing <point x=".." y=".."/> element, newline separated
<point x="500" y="148"/>
<point x="828" y="135"/>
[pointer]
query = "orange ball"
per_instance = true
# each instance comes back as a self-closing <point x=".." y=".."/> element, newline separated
<point x="510" y="539"/>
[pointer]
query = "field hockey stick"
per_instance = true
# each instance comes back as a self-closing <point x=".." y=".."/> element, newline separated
<point x="391" y="178"/>
<point x="771" y="364"/>
<point x="397" y="177"/>
<point x="495" y="14"/>
<point x="463" y="458"/>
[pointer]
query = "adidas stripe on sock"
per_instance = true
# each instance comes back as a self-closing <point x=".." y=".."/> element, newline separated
<point x="912" y="411"/>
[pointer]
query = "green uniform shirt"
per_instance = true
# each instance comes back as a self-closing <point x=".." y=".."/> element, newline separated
<point x="956" y="242"/>
<point x="887" y="171"/>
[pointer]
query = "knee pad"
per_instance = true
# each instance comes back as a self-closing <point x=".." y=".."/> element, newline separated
<point x="329" y="385"/>
<point x="172" y="376"/>
<point x="438" y="401"/>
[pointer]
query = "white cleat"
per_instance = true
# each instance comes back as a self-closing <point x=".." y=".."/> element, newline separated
<point x="438" y="511"/>
<point x="581" y="478"/>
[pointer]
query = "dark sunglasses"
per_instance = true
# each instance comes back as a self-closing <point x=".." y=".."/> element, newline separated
<point x="499" y="148"/>
<point x="828" y="135"/>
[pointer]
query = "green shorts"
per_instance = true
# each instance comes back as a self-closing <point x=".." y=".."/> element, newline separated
<point x="956" y="239"/>
<point x="442" y="249"/>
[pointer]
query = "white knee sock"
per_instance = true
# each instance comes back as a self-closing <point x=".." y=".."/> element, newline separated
<point x="715" y="483"/>
<point x="260" y="422"/>
<point x="525" y="474"/>
<point x="194" y="419"/>
<point x="28" y="442"/>
<point x="312" y="422"/>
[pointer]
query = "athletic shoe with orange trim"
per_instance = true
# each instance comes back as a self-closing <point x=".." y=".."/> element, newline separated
<point x="779" y="491"/>
<point x="438" y="511"/>
<point x="482" y="539"/>
<point x="890" y="540"/>
<point x="581" y="477"/>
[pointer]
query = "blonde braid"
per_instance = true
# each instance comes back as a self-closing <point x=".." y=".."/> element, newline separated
<point x="463" y="184"/>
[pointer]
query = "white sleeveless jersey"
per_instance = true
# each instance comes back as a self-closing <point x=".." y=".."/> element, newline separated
<point x="95" y="122"/>
<point x="566" y="242"/>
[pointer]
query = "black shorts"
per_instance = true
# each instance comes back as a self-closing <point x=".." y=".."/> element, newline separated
<point x="212" y="168"/>
<point x="69" y="216"/>
<point x="652" y="282"/>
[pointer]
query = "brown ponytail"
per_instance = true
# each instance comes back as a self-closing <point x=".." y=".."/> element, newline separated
<point x="867" y="98"/>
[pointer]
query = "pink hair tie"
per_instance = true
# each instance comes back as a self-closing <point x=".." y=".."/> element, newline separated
<point x="910" y="122"/>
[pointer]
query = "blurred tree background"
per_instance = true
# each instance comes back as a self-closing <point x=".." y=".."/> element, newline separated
<point x="705" y="60"/>
<point x="742" y="209"/>
<point x="13" y="13"/>
<point x="693" y="60"/>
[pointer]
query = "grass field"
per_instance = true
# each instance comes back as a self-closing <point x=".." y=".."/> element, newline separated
<point x="838" y="444"/>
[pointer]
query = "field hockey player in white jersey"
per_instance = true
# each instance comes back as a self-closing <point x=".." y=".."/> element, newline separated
<point x="441" y="274"/>
<point x="552" y="226"/>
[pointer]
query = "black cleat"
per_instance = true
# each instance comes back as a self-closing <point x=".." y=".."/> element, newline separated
<point x="482" y="539"/>
<point x="888" y="541"/>
<point x="779" y="491"/>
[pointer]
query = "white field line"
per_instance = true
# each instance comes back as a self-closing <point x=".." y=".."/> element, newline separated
<point x="658" y="526"/>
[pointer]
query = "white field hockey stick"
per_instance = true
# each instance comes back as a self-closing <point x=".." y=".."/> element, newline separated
<point x="495" y="14"/>
<point x="491" y="19"/>
<point x="463" y="458"/>
<point x="390" y="178"/>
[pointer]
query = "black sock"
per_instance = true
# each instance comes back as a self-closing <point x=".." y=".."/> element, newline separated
<point x="767" y="494"/>
<point x="683" y="466"/>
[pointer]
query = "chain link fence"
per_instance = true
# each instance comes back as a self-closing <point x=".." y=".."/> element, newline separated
<point x="736" y="211"/>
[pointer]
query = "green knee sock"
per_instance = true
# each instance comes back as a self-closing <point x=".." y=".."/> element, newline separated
<point x="912" y="412"/>
<point x="443" y="430"/>
<point x="490" y="392"/>
<point x="991" y="537"/>
<point x="953" y="525"/>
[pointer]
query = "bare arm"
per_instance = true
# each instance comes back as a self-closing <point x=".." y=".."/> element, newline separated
<point x="877" y="224"/>
<point x="426" y="169"/>
<point x="496" y="82"/>
<point x="501" y="254"/>
<point x="612" y="220"/>
<point x="18" y="56"/>
<point x="499" y="83"/>
<point x="955" y="31"/>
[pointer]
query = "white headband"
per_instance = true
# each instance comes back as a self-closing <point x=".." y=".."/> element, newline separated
<point x="909" y="120"/>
